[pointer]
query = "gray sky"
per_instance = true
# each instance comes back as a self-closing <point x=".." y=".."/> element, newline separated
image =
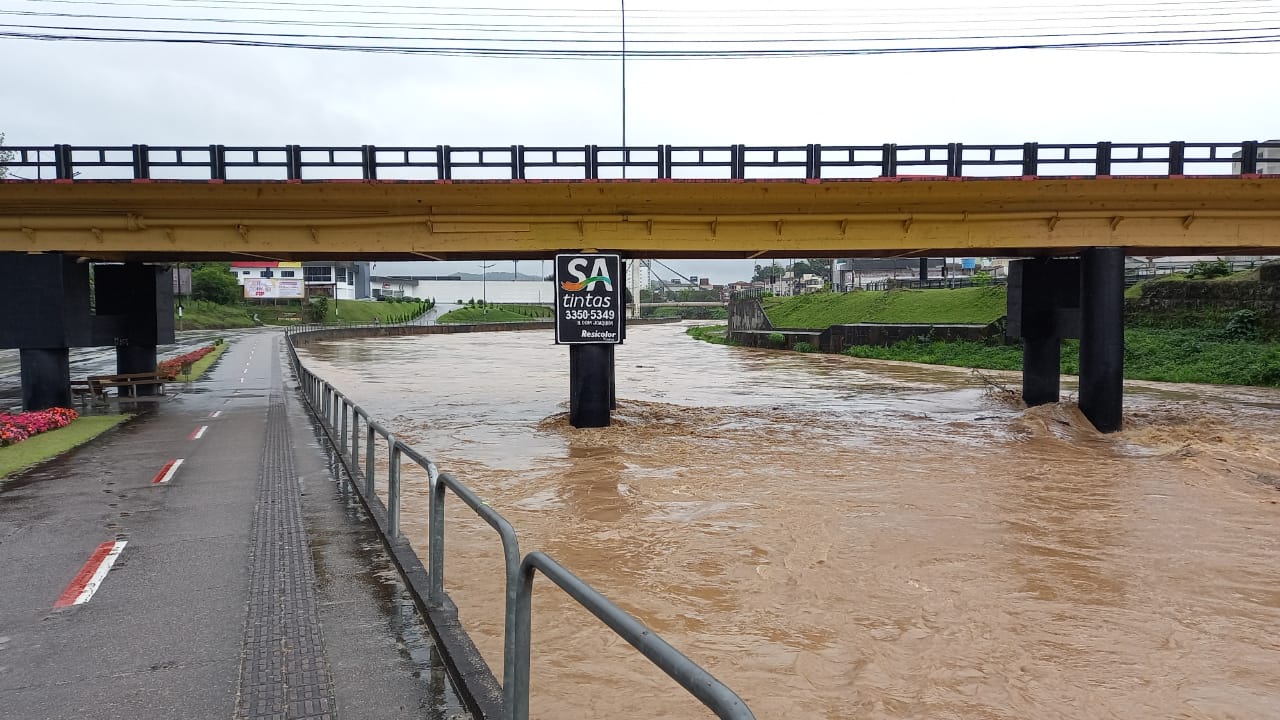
<point x="118" y="93"/>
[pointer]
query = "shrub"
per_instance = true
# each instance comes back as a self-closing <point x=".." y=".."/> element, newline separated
<point x="317" y="310"/>
<point x="1210" y="269"/>
<point x="805" y="347"/>
<point x="1242" y="325"/>
<point x="777" y="339"/>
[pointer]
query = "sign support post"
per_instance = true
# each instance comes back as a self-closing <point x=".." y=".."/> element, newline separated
<point x="589" y="319"/>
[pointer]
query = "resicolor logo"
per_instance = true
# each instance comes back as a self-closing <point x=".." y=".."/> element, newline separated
<point x="599" y="274"/>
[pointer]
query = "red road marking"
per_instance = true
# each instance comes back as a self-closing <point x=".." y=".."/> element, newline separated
<point x="167" y="472"/>
<point x="89" y="579"/>
<point x="198" y="433"/>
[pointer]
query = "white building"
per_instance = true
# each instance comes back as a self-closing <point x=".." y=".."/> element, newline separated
<point x="271" y="280"/>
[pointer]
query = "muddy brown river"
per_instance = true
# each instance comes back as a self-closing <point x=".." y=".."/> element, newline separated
<point x="844" y="538"/>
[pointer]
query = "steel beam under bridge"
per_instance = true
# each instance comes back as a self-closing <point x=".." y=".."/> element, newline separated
<point x="292" y="220"/>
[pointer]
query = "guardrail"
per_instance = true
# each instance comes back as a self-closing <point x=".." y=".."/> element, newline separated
<point x="592" y="162"/>
<point x="341" y="419"/>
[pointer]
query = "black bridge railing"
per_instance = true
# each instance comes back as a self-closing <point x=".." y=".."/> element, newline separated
<point x="592" y="162"/>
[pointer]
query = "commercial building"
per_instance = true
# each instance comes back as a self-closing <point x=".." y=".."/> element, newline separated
<point x="290" y="280"/>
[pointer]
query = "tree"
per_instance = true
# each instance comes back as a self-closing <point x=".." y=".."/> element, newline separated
<point x="317" y="310"/>
<point x="6" y="157"/>
<point x="215" y="283"/>
<point x="767" y="273"/>
<point x="813" y="266"/>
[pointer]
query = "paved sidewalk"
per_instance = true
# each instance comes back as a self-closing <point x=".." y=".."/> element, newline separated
<point x="245" y="582"/>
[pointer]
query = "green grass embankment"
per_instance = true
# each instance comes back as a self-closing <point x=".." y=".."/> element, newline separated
<point x="481" y="315"/>
<point x="822" y="310"/>
<point x="47" y="445"/>
<point x="496" y="313"/>
<point x="203" y="315"/>
<point x="1200" y="347"/>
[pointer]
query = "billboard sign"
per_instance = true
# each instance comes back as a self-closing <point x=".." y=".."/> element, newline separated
<point x="272" y="288"/>
<point x="588" y="299"/>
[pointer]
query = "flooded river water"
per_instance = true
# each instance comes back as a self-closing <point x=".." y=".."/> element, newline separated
<point x="843" y="538"/>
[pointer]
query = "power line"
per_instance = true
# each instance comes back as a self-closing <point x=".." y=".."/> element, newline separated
<point x="704" y="41"/>
<point x="610" y="53"/>
<point x="680" y="15"/>
<point x="598" y="29"/>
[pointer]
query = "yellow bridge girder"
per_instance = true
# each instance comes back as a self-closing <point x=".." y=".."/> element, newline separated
<point x="176" y="220"/>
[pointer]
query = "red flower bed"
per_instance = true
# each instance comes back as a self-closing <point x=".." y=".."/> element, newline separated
<point x="16" y="428"/>
<point x="171" y="367"/>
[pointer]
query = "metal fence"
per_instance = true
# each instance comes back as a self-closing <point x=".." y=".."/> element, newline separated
<point x="592" y="162"/>
<point x="342" y="420"/>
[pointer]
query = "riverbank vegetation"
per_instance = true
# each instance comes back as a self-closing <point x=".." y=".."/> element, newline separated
<point x="1217" y="345"/>
<point x="477" y="311"/>
<point x="208" y="315"/>
<point x="50" y="444"/>
<point x="1187" y="355"/>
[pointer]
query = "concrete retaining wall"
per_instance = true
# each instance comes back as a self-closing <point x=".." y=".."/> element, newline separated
<point x="838" y="337"/>
<point x="766" y="338"/>
<point x="364" y="331"/>
<point x="843" y="336"/>
<point x="747" y="314"/>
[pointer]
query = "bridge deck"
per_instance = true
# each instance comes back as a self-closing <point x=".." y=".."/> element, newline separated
<point x="449" y="220"/>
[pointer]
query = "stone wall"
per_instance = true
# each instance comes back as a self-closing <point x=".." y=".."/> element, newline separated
<point x="1209" y="296"/>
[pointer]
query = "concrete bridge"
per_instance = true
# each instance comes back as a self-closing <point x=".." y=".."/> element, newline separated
<point x="152" y="204"/>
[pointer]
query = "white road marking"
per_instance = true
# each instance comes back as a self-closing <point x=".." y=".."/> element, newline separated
<point x="90" y="577"/>
<point x="167" y="472"/>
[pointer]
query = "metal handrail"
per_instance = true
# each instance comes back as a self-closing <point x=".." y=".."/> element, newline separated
<point x="364" y="162"/>
<point x="333" y="409"/>
<point x="714" y="694"/>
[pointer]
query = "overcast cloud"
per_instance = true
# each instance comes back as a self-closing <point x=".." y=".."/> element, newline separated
<point x="100" y="93"/>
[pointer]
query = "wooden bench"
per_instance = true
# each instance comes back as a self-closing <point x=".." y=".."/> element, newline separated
<point x="126" y="383"/>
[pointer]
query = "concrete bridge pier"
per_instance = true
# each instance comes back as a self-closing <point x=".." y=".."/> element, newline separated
<point x="135" y="313"/>
<point x="590" y="385"/>
<point x="1044" y="297"/>
<point x="1054" y="299"/>
<point x="49" y="313"/>
<point x="1102" y="337"/>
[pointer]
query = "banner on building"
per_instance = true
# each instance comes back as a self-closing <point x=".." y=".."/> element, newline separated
<point x="272" y="288"/>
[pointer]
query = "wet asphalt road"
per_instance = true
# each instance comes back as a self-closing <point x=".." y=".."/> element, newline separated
<point x="173" y="628"/>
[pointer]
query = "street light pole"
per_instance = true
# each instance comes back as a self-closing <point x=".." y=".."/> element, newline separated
<point x="484" y="287"/>
<point x="624" y="88"/>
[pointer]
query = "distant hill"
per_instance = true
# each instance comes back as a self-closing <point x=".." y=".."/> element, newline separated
<point x="495" y="276"/>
